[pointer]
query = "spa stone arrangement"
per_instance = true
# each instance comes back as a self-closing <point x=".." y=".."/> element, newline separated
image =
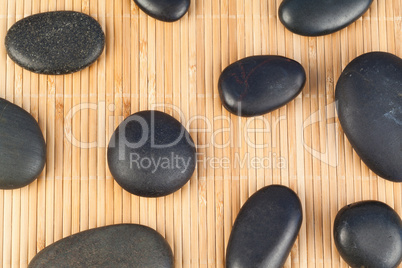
<point x="369" y="106"/>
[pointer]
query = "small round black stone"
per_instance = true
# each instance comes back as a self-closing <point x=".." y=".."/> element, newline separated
<point x="124" y="245"/>
<point x="260" y="84"/>
<point x="164" y="10"/>
<point x="22" y="147"/>
<point x="369" y="102"/>
<point x="265" y="229"/>
<point x="151" y="154"/>
<point x="59" y="42"/>
<point x="369" y="234"/>
<point x="318" y="17"/>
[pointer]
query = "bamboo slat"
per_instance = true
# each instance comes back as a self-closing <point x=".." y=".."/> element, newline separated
<point x="175" y="67"/>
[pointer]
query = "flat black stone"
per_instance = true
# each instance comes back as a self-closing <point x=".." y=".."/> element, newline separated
<point x="260" y="84"/>
<point x="124" y="245"/>
<point x="369" y="101"/>
<point x="265" y="229"/>
<point x="318" y="17"/>
<point x="151" y="154"/>
<point x="369" y="234"/>
<point x="22" y="147"/>
<point x="58" y="42"/>
<point x="164" y="10"/>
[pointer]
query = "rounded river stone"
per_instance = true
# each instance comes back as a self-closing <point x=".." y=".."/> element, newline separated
<point x="260" y="84"/>
<point x="124" y="245"/>
<point x="369" y="101"/>
<point x="369" y="234"/>
<point x="22" y="147"/>
<point x="164" y="10"/>
<point x="59" y="42"/>
<point x="151" y="154"/>
<point x="318" y="17"/>
<point x="265" y="229"/>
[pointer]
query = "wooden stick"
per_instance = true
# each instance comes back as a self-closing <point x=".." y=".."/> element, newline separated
<point x="118" y="98"/>
<point x="83" y="213"/>
<point x="201" y="150"/>
<point x="217" y="138"/>
<point x="126" y="84"/>
<point x="135" y="89"/>
<point x="92" y="131"/>
<point x="101" y="127"/>
<point x="227" y="141"/>
<point x="185" y="109"/>
<point x="193" y="106"/>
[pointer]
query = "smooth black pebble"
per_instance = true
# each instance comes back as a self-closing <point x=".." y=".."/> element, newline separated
<point x="260" y="84"/>
<point x="369" y="101"/>
<point x="164" y="10"/>
<point x="318" y="17"/>
<point x="369" y="234"/>
<point x="59" y="42"/>
<point x="22" y="147"/>
<point x="265" y="229"/>
<point x="151" y="154"/>
<point x="124" y="245"/>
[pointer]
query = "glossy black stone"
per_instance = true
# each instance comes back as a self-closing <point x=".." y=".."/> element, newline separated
<point x="22" y="147"/>
<point x="151" y="154"/>
<point x="265" y="229"/>
<point x="260" y="84"/>
<point x="369" y="102"/>
<point x="318" y="17"/>
<point x="58" y="42"/>
<point x="124" y="245"/>
<point x="164" y="10"/>
<point x="369" y="234"/>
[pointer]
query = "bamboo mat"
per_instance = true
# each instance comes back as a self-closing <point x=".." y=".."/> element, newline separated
<point x="174" y="68"/>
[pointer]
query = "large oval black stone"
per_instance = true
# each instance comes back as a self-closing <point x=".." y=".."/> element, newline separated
<point x="369" y="234"/>
<point x="124" y="245"/>
<point x="318" y="17"/>
<point x="260" y="84"/>
<point x="164" y="10"/>
<point x="265" y="229"/>
<point x="58" y="42"/>
<point x="369" y="101"/>
<point x="151" y="154"/>
<point x="22" y="147"/>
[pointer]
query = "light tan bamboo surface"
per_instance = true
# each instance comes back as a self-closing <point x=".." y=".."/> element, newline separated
<point x="174" y="67"/>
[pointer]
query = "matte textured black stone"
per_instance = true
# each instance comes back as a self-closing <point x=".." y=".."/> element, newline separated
<point x="260" y="84"/>
<point x="124" y="245"/>
<point x="58" y="42"/>
<point x="22" y="147"/>
<point x="318" y="17"/>
<point x="265" y="229"/>
<point x="369" y="101"/>
<point x="151" y="154"/>
<point x="369" y="234"/>
<point x="164" y="10"/>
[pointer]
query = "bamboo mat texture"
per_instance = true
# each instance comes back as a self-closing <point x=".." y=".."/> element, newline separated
<point x="175" y="67"/>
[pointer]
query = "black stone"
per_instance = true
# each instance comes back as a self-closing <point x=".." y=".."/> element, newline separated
<point x="260" y="84"/>
<point x="265" y="229"/>
<point x="151" y="154"/>
<point x="22" y="147"/>
<point x="369" y="234"/>
<point x="58" y="42"/>
<point x="369" y="101"/>
<point x="164" y="10"/>
<point x="124" y="245"/>
<point x="318" y="17"/>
